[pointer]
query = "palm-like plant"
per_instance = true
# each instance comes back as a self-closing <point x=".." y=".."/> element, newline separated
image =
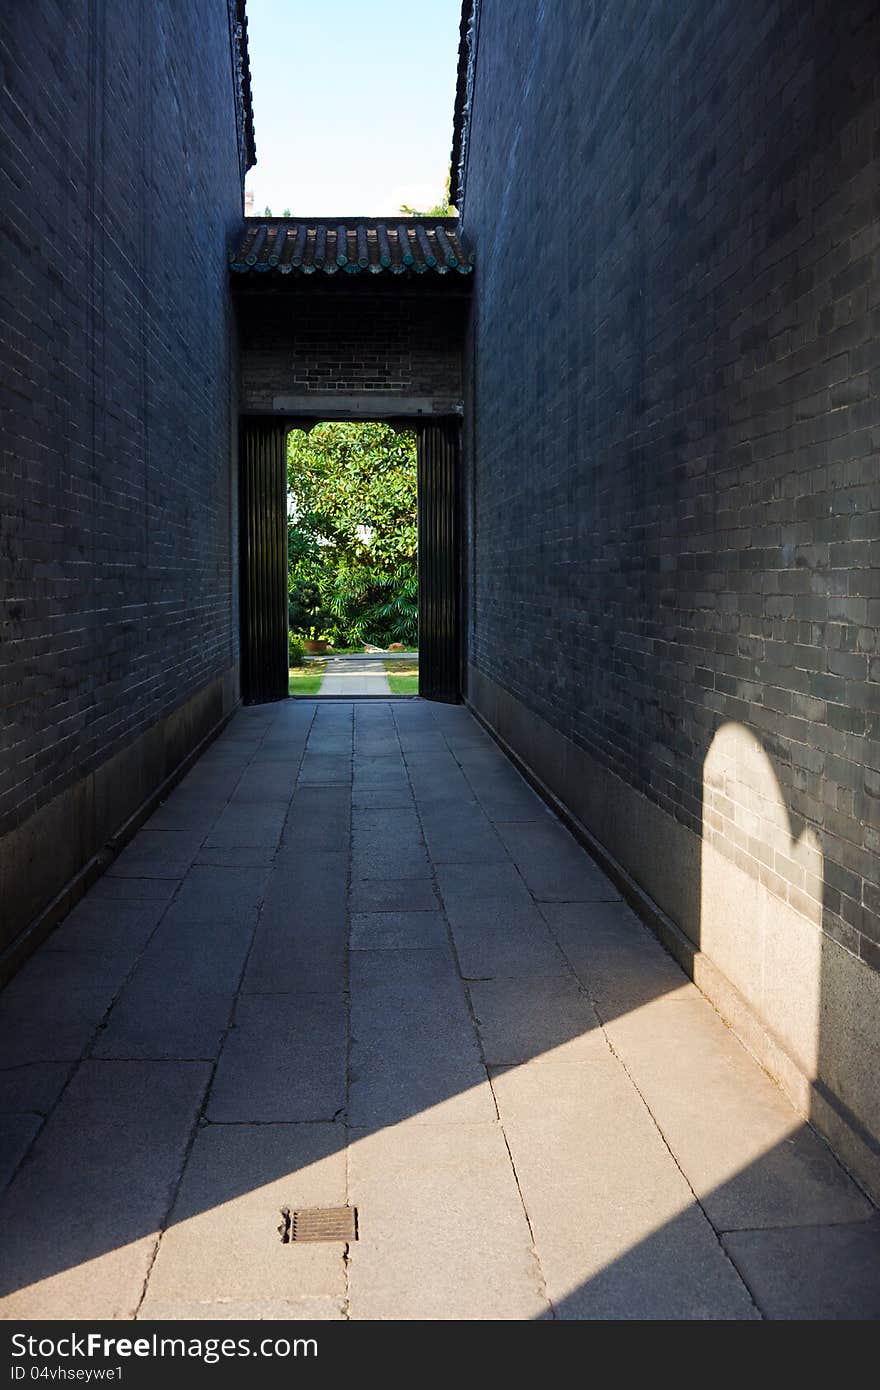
<point x="352" y="550"/>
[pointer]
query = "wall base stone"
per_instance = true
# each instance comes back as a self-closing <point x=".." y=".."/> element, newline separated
<point x="48" y="862"/>
<point x="658" y="864"/>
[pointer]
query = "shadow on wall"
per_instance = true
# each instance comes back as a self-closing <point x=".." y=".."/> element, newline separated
<point x="821" y="1005"/>
<point x="774" y="1172"/>
<point x="766" y="935"/>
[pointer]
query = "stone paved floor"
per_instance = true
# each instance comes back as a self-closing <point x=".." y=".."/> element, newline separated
<point x="354" y="959"/>
<point x="354" y="675"/>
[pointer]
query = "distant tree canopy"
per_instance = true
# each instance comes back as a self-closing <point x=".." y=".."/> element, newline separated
<point x="443" y="209"/>
<point x="353" y="569"/>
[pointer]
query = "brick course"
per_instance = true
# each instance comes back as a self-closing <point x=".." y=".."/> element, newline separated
<point x="674" y="497"/>
<point x="121" y="184"/>
<point x="351" y="338"/>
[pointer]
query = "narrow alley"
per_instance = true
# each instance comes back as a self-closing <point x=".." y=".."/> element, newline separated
<point x="354" y="960"/>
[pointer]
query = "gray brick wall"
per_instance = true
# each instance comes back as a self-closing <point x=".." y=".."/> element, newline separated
<point x="350" y="338"/>
<point x="674" y="407"/>
<point x="120" y="185"/>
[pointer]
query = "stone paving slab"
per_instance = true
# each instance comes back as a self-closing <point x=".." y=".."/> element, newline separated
<point x="283" y="1060"/>
<point x="319" y="819"/>
<point x="437" y="780"/>
<point x="518" y="1019"/>
<point x="506" y="801"/>
<point x="383" y="822"/>
<point x="379" y="772"/>
<point x="178" y="1001"/>
<point x="222" y="1242"/>
<point x="79" y="1223"/>
<point x="49" y="1012"/>
<point x="267" y="782"/>
<point x="107" y="927"/>
<point x="497" y="927"/>
<point x="248" y="824"/>
<point x="375" y="856"/>
<point x="236" y="1310"/>
<point x="467" y="837"/>
<point x="812" y="1272"/>
<point x="307" y="891"/>
<point x="33" y="1088"/>
<point x="617" y="1236"/>
<point x="414" y="1051"/>
<point x="742" y="1149"/>
<point x="413" y="931"/>
<point x="303" y="914"/>
<point x="324" y="769"/>
<point x="327" y="745"/>
<point x="553" y="865"/>
<point x="157" y="854"/>
<point x="17" y="1133"/>
<point x="236" y="856"/>
<point x="606" y="1149"/>
<point x="421" y="740"/>
<point x="301" y="937"/>
<point x="379" y="797"/>
<point x="617" y="960"/>
<point x="212" y="893"/>
<point x="370" y="745"/>
<point x="487" y="952"/>
<point x="442" y="1231"/>
<point x="117" y="890"/>
<point x="393" y="895"/>
<point x="186" y="812"/>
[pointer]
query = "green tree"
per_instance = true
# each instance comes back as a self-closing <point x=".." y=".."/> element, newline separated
<point x="442" y="209"/>
<point x="439" y="210"/>
<point x="352" y="534"/>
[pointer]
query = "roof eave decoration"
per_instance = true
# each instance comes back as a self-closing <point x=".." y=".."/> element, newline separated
<point x="241" y="86"/>
<point x="464" y="91"/>
<point x="408" y="246"/>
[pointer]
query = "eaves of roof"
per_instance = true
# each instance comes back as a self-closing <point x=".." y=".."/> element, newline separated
<point x="306" y="246"/>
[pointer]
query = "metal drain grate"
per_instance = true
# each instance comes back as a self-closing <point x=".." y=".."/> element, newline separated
<point x="318" y="1223"/>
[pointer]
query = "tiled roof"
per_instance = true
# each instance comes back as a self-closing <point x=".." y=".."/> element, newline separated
<point x="303" y="246"/>
<point x="244" y="108"/>
<point x="467" y="49"/>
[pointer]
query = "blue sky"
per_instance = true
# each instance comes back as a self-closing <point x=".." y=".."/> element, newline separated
<point x="352" y="103"/>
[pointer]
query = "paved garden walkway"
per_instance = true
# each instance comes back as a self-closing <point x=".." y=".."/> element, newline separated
<point x="355" y="675"/>
<point x="354" y="960"/>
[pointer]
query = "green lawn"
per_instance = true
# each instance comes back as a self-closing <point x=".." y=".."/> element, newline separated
<point x="403" y="676"/>
<point x="306" y="680"/>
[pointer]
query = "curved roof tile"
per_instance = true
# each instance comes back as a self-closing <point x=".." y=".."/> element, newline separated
<point x="350" y="246"/>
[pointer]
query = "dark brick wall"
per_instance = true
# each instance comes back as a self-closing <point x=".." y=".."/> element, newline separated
<point x="120" y="184"/>
<point x="346" y="337"/>
<point x="674" y="485"/>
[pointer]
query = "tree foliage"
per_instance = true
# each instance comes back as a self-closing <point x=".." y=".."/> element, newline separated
<point x="352" y="557"/>
<point x="441" y="209"/>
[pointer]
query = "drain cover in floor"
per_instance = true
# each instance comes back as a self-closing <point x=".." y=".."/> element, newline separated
<point x="318" y="1223"/>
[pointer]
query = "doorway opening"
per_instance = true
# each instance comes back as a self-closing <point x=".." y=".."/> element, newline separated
<point x="352" y="560"/>
<point x="351" y="609"/>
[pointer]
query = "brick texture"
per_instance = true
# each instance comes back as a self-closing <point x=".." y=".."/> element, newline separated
<point x="674" y="490"/>
<point x="350" y="338"/>
<point x="120" y="186"/>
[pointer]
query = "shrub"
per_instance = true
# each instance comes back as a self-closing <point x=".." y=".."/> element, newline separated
<point x="352" y="565"/>
<point x="295" y="650"/>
